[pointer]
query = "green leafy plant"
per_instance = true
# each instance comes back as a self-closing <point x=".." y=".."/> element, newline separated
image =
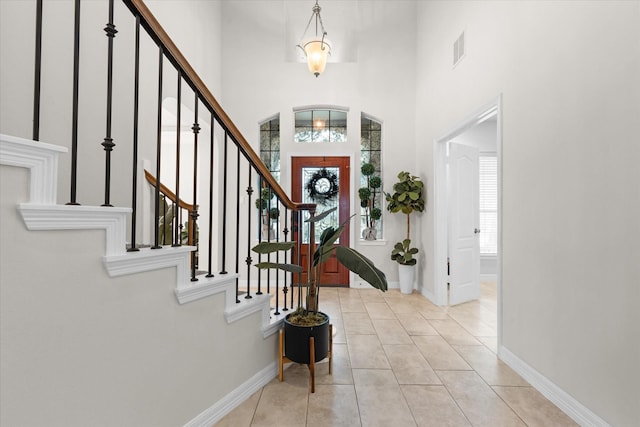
<point x="408" y="197"/>
<point x="350" y="258"/>
<point x="403" y="254"/>
<point x="369" y="194"/>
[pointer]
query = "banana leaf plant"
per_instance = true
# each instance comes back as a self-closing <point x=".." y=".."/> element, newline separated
<point x="350" y="258"/>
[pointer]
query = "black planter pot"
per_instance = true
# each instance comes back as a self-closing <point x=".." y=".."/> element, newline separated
<point x="296" y="341"/>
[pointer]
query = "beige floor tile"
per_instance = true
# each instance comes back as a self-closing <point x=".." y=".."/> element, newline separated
<point x="489" y="367"/>
<point x="401" y="305"/>
<point x="379" y="310"/>
<point x="390" y="331"/>
<point x="433" y="406"/>
<point x="331" y="308"/>
<point x="409" y="365"/>
<point x="475" y="324"/>
<point x="415" y="324"/>
<point x="338" y="331"/>
<point x="333" y="406"/>
<point x="376" y="383"/>
<point x="352" y="305"/>
<point x="243" y="414"/>
<point x="380" y="400"/>
<point x="341" y="372"/>
<point x="371" y="295"/>
<point x="365" y="351"/>
<point x="357" y="324"/>
<point x="347" y="293"/>
<point x="533" y="407"/>
<point x="439" y="353"/>
<point x="453" y="333"/>
<point x="490" y="342"/>
<point x="479" y="403"/>
<point x="284" y="403"/>
<point x="434" y="313"/>
<point x="381" y="377"/>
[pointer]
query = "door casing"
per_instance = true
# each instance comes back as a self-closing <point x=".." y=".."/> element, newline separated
<point x="440" y="205"/>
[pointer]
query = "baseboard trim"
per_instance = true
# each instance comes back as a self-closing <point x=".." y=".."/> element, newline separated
<point x="218" y="410"/>
<point x="568" y="404"/>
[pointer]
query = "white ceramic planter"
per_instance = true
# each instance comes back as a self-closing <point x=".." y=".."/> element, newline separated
<point x="406" y="276"/>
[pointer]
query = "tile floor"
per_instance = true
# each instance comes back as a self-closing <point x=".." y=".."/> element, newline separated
<point x="401" y="361"/>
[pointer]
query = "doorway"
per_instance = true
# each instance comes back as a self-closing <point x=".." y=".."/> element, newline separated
<point x="467" y="280"/>
<point x="325" y="182"/>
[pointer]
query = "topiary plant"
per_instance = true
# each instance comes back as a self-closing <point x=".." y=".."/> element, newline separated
<point x="368" y="196"/>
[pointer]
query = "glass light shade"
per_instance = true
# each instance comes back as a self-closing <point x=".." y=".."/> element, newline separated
<point x="317" y="52"/>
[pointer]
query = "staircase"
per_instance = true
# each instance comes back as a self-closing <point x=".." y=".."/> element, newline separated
<point x="90" y="332"/>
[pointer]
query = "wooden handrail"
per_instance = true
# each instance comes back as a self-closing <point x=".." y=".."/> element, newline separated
<point x="167" y="193"/>
<point x="171" y="51"/>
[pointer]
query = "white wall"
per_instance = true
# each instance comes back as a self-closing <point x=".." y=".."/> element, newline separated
<point x="80" y="348"/>
<point x="260" y="81"/>
<point x="568" y="73"/>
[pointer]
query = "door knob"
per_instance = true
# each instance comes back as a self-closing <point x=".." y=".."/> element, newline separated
<point x="476" y="230"/>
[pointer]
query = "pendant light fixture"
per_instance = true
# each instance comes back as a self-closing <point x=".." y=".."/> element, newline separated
<point x="316" y="47"/>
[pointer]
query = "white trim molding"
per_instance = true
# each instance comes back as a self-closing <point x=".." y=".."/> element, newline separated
<point x="218" y="410"/>
<point x="67" y="217"/>
<point x="563" y="400"/>
<point x="42" y="161"/>
<point x="206" y="286"/>
<point x="147" y="259"/>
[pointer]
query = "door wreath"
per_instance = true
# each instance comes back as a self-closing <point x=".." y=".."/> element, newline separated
<point x="322" y="187"/>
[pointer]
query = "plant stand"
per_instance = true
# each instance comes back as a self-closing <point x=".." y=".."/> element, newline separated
<point x="282" y="358"/>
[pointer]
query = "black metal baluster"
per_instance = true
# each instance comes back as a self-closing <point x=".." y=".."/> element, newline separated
<point x="277" y="239"/>
<point x="193" y="215"/>
<point x="74" y="120"/>
<point x="299" y="225"/>
<point x="177" y="239"/>
<point x="249" y="260"/>
<point x="209" y="243"/>
<point x="224" y="210"/>
<point x="108" y="143"/>
<point x="237" y="217"/>
<point x="259" y="204"/>
<point x="134" y="181"/>
<point x="37" y="72"/>
<point x="267" y="227"/>
<point x="285" y="231"/>
<point x="158" y="150"/>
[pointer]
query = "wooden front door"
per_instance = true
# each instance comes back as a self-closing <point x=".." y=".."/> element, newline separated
<point x="325" y="173"/>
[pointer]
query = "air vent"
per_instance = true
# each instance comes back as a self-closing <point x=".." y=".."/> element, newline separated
<point x="458" y="49"/>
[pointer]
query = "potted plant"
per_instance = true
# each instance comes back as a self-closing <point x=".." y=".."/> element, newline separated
<point x="307" y="321"/>
<point x="368" y="196"/>
<point x="408" y="197"/>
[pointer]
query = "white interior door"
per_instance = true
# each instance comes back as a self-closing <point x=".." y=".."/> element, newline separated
<point x="464" y="219"/>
